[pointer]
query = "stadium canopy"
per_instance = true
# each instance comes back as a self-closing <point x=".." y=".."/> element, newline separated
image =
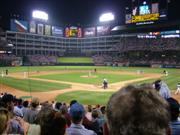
<point x="37" y="14"/>
<point x="106" y="17"/>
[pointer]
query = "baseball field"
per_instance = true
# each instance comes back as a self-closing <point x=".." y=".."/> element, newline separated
<point x="64" y="83"/>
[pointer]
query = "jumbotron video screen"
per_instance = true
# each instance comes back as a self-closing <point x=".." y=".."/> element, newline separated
<point x="146" y="11"/>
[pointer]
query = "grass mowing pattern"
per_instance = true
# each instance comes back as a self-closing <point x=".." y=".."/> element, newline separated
<point x="54" y="68"/>
<point x="76" y="77"/>
<point x="172" y="79"/>
<point x="36" y="86"/>
<point x="75" y="60"/>
<point x="85" y="97"/>
<point x="102" y="68"/>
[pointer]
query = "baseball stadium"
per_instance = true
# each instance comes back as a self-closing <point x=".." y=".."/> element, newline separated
<point x="61" y="63"/>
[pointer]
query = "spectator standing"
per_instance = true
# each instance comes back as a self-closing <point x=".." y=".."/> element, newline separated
<point x="18" y="108"/>
<point x="162" y="88"/>
<point x="64" y="111"/>
<point x="95" y="122"/>
<point x="77" y="113"/>
<point x="51" y="122"/>
<point x="16" y="125"/>
<point x="4" y="118"/>
<point x="31" y="113"/>
<point x="25" y="107"/>
<point x="89" y="112"/>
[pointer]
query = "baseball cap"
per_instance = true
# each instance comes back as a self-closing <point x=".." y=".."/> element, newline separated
<point x="77" y="110"/>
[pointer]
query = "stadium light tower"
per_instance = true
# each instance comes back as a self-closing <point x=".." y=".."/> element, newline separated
<point x="106" y="17"/>
<point x="37" y="14"/>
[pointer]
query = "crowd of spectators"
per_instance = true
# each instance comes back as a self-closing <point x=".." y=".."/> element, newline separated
<point x="146" y="51"/>
<point x="133" y="110"/>
<point x="100" y="60"/>
<point x="142" y="51"/>
<point x="9" y="59"/>
<point x="42" y="59"/>
<point x="151" y="44"/>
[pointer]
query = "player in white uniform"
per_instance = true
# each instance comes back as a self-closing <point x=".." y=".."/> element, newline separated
<point x="166" y="73"/>
<point x="178" y="89"/>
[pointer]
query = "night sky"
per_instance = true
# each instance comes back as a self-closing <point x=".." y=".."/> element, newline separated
<point x="75" y="12"/>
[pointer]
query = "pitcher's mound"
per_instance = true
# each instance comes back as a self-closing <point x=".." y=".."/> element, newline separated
<point x="87" y="76"/>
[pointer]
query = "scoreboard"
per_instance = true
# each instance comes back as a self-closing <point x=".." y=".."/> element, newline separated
<point x="73" y="32"/>
<point x="145" y="11"/>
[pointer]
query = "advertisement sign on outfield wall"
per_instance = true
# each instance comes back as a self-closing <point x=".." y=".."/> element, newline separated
<point x="19" y="25"/>
<point x="57" y="31"/>
<point x="67" y="32"/>
<point x="79" y="35"/>
<point x="103" y="30"/>
<point x="47" y="30"/>
<point x="40" y="29"/>
<point x="90" y="32"/>
<point x="32" y="27"/>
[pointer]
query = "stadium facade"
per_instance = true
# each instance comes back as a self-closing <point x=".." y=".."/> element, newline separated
<point x="146" y="39"/>
<point x="32" y="44"/>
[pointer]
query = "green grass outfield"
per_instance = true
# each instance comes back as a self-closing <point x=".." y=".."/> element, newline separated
<point x="99" y="68"/>
<point x="77" y="77"/>
<point x="32" y="85"/>
<point x="85" y="97"/>
<point x="75" y="60"/>
<point x="172" y="79"/>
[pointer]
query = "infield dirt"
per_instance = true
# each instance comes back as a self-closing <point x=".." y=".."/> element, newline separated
<point x="51" y="95"/>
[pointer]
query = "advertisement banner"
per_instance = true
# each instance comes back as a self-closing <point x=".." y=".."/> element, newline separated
<point x="103" y="30"/>
<point x="155" y="8"/>
<point x="128" y="18"/>
<point x="57" y="31"/>
<point x="19" y="26"/>
<point x="67" y="32"/>
<point x="90" y="32"/>
<point x="32" y="27"/>
<point x="144" y="18"/>
<point x="79" y="35"/>
<point x="40" y="29"/>
<point x="47" y="30"/>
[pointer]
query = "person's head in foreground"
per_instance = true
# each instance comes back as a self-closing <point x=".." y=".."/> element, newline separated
<point x="4" y="117"/>
<point x="35" y="102"/>
<point x="174" y="108"/>
<point x="7" y="102"/>
<point x="77" y="113"/>
<point x="137" y="110"/>
<point x="51" y="122"/>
